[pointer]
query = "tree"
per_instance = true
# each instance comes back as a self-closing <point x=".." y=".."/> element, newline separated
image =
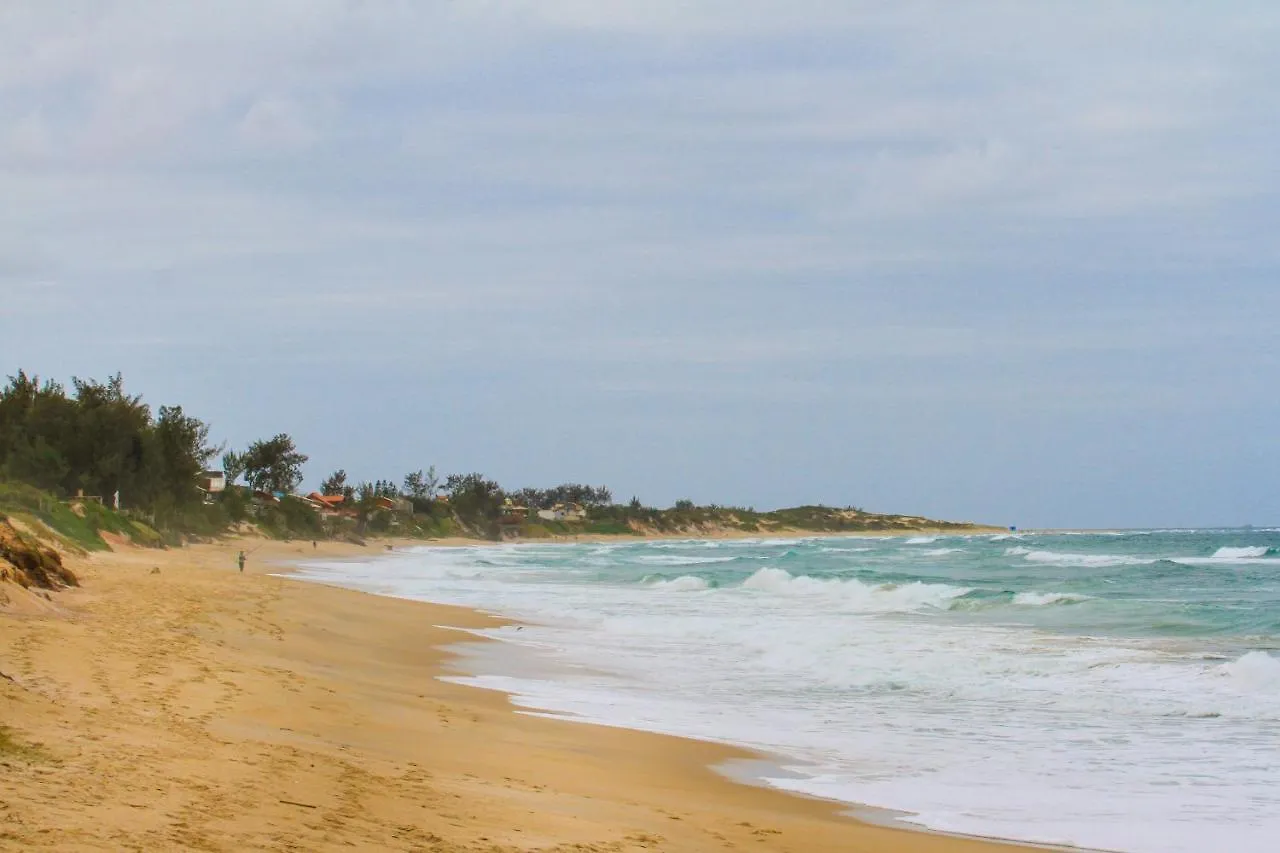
<point x="177" y="450"/>
<point x="420" y="485"/>
<point x="577" y="493"/>
<point x="274" y="465"/>
<point x="475" y="499"/>
<point x="232" y="466"/>
<point x="532" y="498"/>
<point x="106" y="451"/>
<point x="35" y="422"/>
<point x="336" y="484"/>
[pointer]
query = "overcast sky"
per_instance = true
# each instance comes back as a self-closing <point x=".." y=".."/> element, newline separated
<point x="1005" y="261"/>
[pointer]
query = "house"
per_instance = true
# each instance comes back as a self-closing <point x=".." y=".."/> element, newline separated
<point x="563" y="512"/>
<point x="318" y="506"/>
<point x="513" y="517"/>
<point x="212" y="482"/>
<point x="327" y="504"/>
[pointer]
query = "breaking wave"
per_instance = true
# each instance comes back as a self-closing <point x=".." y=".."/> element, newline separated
<point x="1044" y="599"/>
<point x="675" y="560"/>
<point x="1254" y="671"/>
<point x="878" y="598"/>
<point x="1245" y="553"/>
<point x="684" y="583"/>
<point x="979" y="600"/>
<point x="1068" y="559"/>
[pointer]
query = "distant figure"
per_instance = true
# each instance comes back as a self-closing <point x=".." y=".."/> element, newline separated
<point x="240" y="559"/>
<point x="314" y="545"/>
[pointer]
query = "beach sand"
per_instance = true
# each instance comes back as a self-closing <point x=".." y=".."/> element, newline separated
<point x="197" y="708"/>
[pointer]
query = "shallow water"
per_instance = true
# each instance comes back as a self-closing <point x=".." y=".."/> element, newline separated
<point x="1116" y="690"/>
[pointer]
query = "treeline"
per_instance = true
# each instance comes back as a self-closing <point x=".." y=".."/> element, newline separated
<point x="93" y="439"/>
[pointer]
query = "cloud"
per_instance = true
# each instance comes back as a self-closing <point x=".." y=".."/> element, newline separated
<point x="276" y="124"/>
<point x="745" y="200"/>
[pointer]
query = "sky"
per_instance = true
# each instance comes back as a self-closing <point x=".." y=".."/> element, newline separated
<point x="1001" y="261"/>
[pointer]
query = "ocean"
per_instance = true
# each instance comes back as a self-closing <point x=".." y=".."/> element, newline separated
<point x="1113" y="691"/>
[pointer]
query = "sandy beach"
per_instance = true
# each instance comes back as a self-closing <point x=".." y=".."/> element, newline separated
<point x="172" y="703"/>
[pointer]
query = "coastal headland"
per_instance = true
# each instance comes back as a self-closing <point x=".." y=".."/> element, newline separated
<point x="172" y="703"/>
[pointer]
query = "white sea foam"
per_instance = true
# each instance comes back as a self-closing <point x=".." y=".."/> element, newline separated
<point x="686" y="583"/>
<point x="679" y="560"/>
<point x="888" y="696"/>
<point x="1254" y="671"/>
<point x="1229" y="553"/>
<point x="882" y="598"/>
<point x="921" y="540"/>
<point x="939" y="552"/>
<point x="1069" y="559"/>
<point x="1042" y="599"/>
<point x="692" y="543"/>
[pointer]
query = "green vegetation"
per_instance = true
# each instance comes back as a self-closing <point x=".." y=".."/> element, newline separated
<point x="78" y="527"/>
<point x="273" y="466"/>
<point x="95" y="460"/>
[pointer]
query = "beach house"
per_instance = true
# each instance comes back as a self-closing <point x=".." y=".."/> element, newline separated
<point x="563" y="512"/>
<point x="328" y="504"/>
<point x="211" y="483"/>
<point x="512" y="519"/>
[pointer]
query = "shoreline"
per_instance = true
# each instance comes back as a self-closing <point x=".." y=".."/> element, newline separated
<point x="733" y="768"/>
<point x="173" y="702"/>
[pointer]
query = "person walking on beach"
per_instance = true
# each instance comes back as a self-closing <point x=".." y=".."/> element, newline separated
<point x="240" y="560"/>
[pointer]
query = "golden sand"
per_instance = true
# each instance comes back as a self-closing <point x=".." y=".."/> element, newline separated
<point x="197" y="708"/>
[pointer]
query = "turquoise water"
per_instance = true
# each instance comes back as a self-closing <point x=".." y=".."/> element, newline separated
<point x="1110" y="690"/>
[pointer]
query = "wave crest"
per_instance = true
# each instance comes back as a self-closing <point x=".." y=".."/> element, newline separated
<point x="684" y="583"/>
<point x="1253" y="671"/>
<point x="680" y="560"/>
<point x="1243" y="553"/>
<point x="1045" y="599"/>
<point x="872" y="598"/>
<point x="1069" y="559"/>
